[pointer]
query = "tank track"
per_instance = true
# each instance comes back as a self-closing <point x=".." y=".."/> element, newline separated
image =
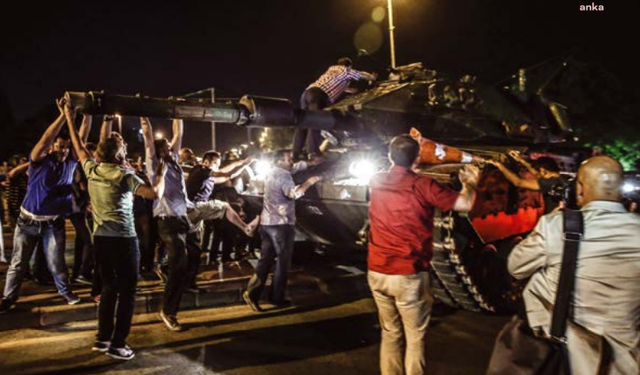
<point x="450" y="281"/>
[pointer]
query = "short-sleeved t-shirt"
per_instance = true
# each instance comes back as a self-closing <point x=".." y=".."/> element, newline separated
<point x="111" y="187"/>
<point x="547" y="188"/>
<point x="200" y="184"/>
<point x="401" y="220"/>
<point x="174" y="201"/>
<point x="49" y="186"/>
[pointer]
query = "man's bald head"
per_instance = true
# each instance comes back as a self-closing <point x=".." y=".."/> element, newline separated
<point x="599" y="178"/>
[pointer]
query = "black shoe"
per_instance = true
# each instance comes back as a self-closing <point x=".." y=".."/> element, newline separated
<point x="171" y="322"/>
<point x="6" y="305"/>
<point x="253" y="304"/>
<point x="125" y="353"/>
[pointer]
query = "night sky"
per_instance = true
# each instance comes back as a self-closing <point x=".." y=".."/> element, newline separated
<point x="277" y="47"/>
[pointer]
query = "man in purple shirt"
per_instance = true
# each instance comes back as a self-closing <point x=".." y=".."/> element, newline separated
<point x="47" y="202"/>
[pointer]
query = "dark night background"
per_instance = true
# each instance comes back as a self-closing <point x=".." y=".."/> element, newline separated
<point x="277" y="47"/>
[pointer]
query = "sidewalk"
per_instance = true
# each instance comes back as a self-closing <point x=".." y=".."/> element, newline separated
<point x="41" y="306"/>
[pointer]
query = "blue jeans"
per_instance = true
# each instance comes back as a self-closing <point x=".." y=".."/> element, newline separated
<point x="27" y="234"/>
<point x="277" y="240"/>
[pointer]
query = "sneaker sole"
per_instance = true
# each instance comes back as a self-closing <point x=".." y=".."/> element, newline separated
<point x="101" y="350"/>
<point x="115" y="356"/>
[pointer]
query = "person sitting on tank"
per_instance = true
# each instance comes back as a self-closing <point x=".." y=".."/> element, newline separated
<point x="325" y="91"/>
<point x="548" y="179"/>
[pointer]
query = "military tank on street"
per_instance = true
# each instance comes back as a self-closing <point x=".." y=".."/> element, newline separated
<point x="469" y="261"/>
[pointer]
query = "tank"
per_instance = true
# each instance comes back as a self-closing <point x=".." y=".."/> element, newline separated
<point x="470" y="251"/>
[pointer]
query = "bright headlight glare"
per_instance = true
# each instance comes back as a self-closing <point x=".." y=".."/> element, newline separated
<point x="628" y="187"/>
<point x="262" y="167"/>
<point x="363" y="169"/>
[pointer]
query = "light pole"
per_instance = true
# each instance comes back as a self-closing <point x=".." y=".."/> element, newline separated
<point x="391" y="40"/>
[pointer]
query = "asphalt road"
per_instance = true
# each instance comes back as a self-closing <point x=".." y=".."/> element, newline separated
<point x="312" y="337"/>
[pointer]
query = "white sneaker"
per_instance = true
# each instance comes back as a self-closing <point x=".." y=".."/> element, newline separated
<point x="124" y="354"/>
<point x="72" y="299"/>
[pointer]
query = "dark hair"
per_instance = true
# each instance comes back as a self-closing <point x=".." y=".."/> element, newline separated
<point x="209" y="155"/>
<point x="345" y="61"/>
<point x="280" y="154"/>
<point x="403" y="150"/>
<point x="107" y="150"/>
<point x="63" y="136"/>
<point x="159" y="143"/>
<point x="90" y="146"/>
<point x="547" y="163"/>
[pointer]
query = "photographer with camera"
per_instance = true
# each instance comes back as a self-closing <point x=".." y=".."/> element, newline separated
<point x="549" y="181"/>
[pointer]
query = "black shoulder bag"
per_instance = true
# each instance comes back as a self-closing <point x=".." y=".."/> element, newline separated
<point x="517" y="350"/>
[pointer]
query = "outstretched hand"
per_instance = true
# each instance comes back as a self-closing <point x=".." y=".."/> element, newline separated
<point x="515" y="155"/>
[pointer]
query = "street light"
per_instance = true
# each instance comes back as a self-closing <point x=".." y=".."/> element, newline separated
<point x="391" y="39"/>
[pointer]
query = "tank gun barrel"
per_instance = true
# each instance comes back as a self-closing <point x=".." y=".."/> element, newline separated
<point x="253" y="111"/>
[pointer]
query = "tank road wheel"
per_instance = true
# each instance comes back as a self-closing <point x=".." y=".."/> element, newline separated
<point x="468" y="274"/>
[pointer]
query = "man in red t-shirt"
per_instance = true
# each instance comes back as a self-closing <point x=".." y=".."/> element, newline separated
<point x="400" y="250"/>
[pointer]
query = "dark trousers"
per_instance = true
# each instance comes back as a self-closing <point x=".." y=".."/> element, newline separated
<point x="313" y="99"/>
<point x="194" y="253"/>
<point x="147" y="233"/>
<point x="277" y="241"/>
<point x="83" y="258"/>
<point x="117" y="259"/>
<point x="173" y="233"/>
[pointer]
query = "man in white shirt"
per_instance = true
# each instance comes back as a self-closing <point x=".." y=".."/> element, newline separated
<point x="606" y="300"/>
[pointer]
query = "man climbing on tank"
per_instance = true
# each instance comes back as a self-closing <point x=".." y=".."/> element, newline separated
<point x="322" y="93"/>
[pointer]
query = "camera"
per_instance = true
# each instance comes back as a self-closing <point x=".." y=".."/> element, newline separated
<point x="631" y="189"/>
<point x="565" y="191"/>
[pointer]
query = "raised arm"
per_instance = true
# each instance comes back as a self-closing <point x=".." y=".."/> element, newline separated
<point x="39" y="151"/>
<point x="230" y="171"/>
<point x="78" y="145"/>
<point x="178" y="131"/>
<point x="469" y="177"/>
<point x="85" y="128"/>
<point x="22" y="168"/>
<point x="105" y="129"/>
<point x="147" y="135"/>
<point x="513" y="178"/>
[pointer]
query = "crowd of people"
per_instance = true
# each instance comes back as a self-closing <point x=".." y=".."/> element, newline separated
<point x="158" y="215"/>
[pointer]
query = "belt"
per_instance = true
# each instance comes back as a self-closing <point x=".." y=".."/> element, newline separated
<point x="34" y="217"/>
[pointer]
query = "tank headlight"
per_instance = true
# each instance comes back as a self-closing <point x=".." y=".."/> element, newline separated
<point x="362" y="169"/>
<point x="628" y="187"/>
<point x="262" y="168"/>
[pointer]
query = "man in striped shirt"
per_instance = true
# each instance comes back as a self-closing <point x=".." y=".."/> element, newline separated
<point x="322" y="93"/>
